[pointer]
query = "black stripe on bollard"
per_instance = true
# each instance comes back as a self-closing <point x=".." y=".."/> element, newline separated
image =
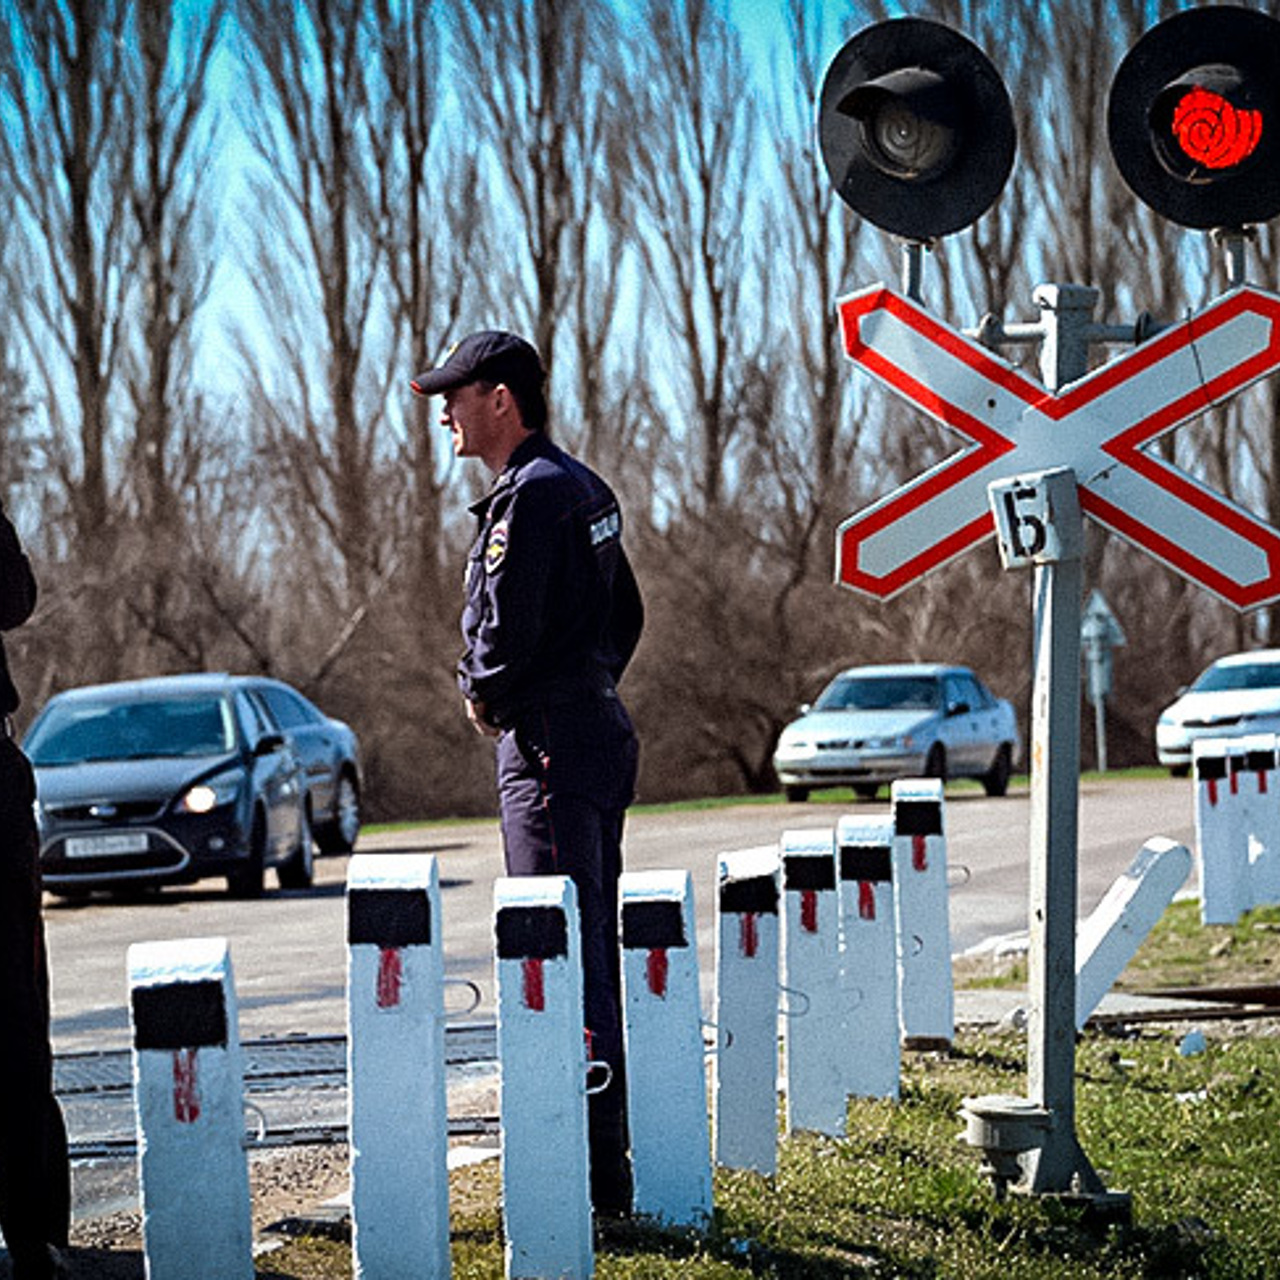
<point x="758" y="894"/>
<point x="1211" y="768"/>
<point x="389" y="917"/>
<point x="532" y="933"/>
<point x="809" y="871"/>
<point x="180" y="1015"/>
<point x="650" y="925"/>
<point x="917" y="818"/>
<point x="1238" y="764"/>
<point x="1260" y="761"/>
<point x="866" y="862"/>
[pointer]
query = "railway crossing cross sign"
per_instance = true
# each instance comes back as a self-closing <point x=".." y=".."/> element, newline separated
<point x="1098" y="426"/>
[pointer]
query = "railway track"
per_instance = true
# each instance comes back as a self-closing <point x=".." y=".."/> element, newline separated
<point x="295" y="1091"/>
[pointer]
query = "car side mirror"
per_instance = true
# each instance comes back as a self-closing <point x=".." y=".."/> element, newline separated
<point x="805" y="708"/>
<point x="269" y="744"/>
<point x="958" y="709"/>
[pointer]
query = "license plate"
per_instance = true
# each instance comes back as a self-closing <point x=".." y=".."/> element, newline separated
<point x="105" y="846"/>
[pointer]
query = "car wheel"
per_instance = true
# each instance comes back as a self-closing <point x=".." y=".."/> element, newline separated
<point x="935" y="764"/>
<point x="995" y="782"/>
<point x="797" y="795"/>
<point x="866" y="790"/>
<point x="246" y="881"/>
<point x="1179" y="771"/>
<point x="299" y="870"/>
<point x="339" y="836"/>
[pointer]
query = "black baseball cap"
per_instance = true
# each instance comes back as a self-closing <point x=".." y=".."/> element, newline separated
<point x="490" y="354"/>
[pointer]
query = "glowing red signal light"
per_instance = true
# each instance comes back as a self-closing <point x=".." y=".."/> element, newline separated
<point x="1213" y="132"/>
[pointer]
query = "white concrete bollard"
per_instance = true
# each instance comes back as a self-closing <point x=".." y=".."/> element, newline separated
<point x="399" y="1126"/>
<point x="745" y="1067"/>
<point x="666" y="1060"/>
<point x="1221" y="843"/>
<point x="1129" y="910"/>
<point x="1257" y="782"/>
<point x="869" y="962"/>
<point x="814" y="1035"/>
<point x="926" y="999"/>
<point x="189" y="1092"/>
<point x="543" y="1061"/>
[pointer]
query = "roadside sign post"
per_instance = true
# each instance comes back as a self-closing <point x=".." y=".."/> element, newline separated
<point x="1100" y="632"/>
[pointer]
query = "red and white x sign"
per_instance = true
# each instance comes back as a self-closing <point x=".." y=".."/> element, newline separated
<point x="1098" y="426"/>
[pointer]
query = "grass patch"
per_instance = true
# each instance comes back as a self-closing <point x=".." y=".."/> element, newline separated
<point x="1190" y="1138"/>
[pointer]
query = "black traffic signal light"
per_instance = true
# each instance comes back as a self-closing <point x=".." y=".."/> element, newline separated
<point x="1194" y="117"/>
<point x="916" y="128"/>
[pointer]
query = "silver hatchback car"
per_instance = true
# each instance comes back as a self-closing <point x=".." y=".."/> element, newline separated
<point x="874" y="724"/>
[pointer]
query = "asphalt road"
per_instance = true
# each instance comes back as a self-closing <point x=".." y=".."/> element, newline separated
<point x="288" y="948"/>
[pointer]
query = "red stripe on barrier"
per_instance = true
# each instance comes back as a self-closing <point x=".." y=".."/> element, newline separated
<point x="1235" y="783"/>
<point x="809" y="910"/>
<point x="186" y="1093"/>
<point x="749" y="934"/>
<point x="390" y="977"/>
<point x="656" y="971"/>
<point x="1213" y="791"/>
<point x="1262" y="782"/>
<point x="866" y="900"/>
<point x="919" y="854"/>
<point x="535" y="994"/>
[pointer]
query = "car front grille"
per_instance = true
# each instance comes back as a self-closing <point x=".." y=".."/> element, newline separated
<point x="107" y="813"/>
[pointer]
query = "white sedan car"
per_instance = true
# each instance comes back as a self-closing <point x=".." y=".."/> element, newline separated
<point x="874" y="724"/>
<point x="1237" y="695"/>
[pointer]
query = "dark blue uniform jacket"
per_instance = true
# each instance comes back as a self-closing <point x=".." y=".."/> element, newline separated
<point x="552" y="609"/>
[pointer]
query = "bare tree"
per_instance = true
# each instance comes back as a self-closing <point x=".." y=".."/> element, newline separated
<point x="67" y="154"/>
<point x="309" y="114"/>
<point x="173" y="226"/>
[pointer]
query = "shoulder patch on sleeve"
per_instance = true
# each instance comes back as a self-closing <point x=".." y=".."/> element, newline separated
<point x="495" y="549"/>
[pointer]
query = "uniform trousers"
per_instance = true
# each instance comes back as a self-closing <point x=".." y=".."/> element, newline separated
<point x="566" y="773"/>
<point x="35" y="1178"/>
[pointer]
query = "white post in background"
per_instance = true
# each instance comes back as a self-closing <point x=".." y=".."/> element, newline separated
<point x="1221" y="848"/>
<point x="399" y="1127"/>
<point x="1129" y="910"/>
<point x="814" y="1022"/>
<point x="543" y="1061"/>
<point x="189" y="1092"/>
<point x="666" y="1071"/>
<point x="869" y="966"/>
<point x="926" y="997"/>
<point x="1257" y="780"/>
<point x="745" y="1068"/>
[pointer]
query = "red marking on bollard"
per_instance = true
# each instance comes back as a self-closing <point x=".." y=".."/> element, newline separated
<point x="809" y="910"/>
<point x="656" y="971"/>
<point x="186" y="1094"/>
<point x="1213" y="791"/>
<point x="866" y="900"/>
<point x="390" y="976"/>
<point x="1262" y="782"/>
<point x="919" y="854"/>
<point x="1235" y="783"/>
<point x="535" y="995"/>
<point x="749" y="934"/>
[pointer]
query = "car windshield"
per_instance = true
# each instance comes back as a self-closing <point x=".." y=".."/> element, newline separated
<point x="75" y="732"/>
<point x="1247" y="675"/>
<point x="880" y="693"/>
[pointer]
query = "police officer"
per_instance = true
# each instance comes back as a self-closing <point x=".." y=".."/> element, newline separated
<point x="551" y="618"/>
<point x="35" y="1176"/>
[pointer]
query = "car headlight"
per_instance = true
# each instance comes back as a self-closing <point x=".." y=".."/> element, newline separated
<point x="210" y="794"/>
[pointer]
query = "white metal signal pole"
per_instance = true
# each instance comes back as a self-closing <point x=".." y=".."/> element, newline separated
<point x="1039" y="523"/>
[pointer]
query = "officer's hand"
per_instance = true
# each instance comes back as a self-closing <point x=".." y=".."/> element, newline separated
<point x="475" y="713"/>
